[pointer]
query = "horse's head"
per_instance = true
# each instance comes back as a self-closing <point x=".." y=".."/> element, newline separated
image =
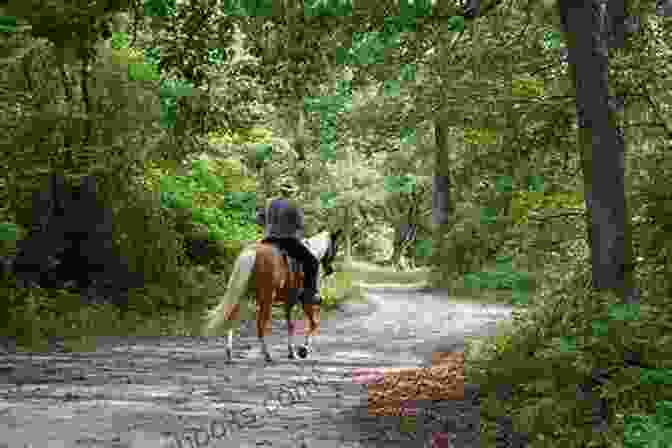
<point x="330" y="254"/>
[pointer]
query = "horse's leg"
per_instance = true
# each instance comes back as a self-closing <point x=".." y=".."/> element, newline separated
<point x="263" y="320"/>
<point x="312" y="322"/>
<point x="235" y="316"/>
<point x="229" y="345"/>
<point x="290" y="325"/>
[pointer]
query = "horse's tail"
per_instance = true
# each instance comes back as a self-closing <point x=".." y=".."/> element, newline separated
<point x="236" y="288"/>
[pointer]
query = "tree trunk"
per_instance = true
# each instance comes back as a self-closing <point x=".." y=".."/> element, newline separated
<point x="398" y="253"/>
<point x="349" y="213"/>
<point x="442" y="206"/>
<point x="403" y="238"/>
<point x="586" y="26"/>
<point x="395" y="259"/>
<point x="600" y="141"/>
<point x="348" y="237"/>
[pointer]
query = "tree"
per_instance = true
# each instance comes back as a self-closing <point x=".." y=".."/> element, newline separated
<point x="601" y="142"/>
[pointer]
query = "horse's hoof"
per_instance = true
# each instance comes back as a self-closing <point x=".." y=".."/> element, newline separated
<point x="268" y="358"/>
<point x="303" y="351"/>
<point x="291" y="355"/>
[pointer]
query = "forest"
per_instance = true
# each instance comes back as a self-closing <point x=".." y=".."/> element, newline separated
<point x="510" y="148"/>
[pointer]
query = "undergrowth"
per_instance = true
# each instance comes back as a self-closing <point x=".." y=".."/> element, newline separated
<point x="576" y="367"/>
<point x="565" y="336"/>
<point x="37" y="315"/>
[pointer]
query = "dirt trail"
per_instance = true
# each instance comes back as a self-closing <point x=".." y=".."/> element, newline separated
<point x="149" y="392"/>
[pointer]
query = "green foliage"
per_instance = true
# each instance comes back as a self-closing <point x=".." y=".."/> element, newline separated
<point x="488" y="215"/>
<point x="462" y="249"/>
<point x="393" y="25"/>
<point x="327" y="150"/>
<point x="535" y="184"/>
<point x="263" y="152"/>
<point x="206" y="211"/>
<point x="328" y="199"/>
<point x="144" y="239"/>
<point x="343" y="91"/>
<point x="175" y="87"/>
<point x="408" y="136"/>
<point x="248" y="8"/>
<point x="408" y="72"/>
<point x="22" y="306"/>
<point x="126" y="56"/>
<point x="400" y="184"/>
<point x="119" y="40"/>
<point x="143" y="72"/>
<point x="328" y="130"/>
<point x="152" y="55"/>
<point x="528" y="87"/>
<point x="503" y="277"/>
<point x="549" y="341"/>
<point x="480" y="137"/>
<point x="8" y="231"/>
<point x="159" y="8"/>
<point x="327" y="8"/>
<point x="424" y="248"/>
<point x="328" y="108"/>
<point x="475" y="236"/>
<point x="523" y="357"/>
<point x="170" y="90"/>
<point x="456" y="24"/>
<point x="552" y="40"/>
<point x="227" y="216"/>
<point x="147" y="239"/>
<point x="504" y="184"/>
<point x="216" y="56"/>
<point x="391" y="88"/>
<point x="502" y="342"/>
<point x="368" y="48"/>
<point x="415" y="8"/>
<point x="643" y="431"/>
<point x="253" y="136"/>
<point x="7" y="24"/>
<point x="526" y="202"/>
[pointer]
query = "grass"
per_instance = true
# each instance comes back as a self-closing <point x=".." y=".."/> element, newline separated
<point x="366" y="273"/>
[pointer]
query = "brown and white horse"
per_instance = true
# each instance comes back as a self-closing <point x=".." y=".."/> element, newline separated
<point x="275" y="284"/>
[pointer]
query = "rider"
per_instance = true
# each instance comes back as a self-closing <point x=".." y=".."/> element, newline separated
<point x="284" y="227"/>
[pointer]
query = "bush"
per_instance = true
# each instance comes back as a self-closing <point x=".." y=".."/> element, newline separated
<point x="467" y="246"/>
<point x="146" y="234"/>
<point x="557" y="344"/>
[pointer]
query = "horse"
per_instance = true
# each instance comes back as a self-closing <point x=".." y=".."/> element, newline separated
<point x="276" y="284"/>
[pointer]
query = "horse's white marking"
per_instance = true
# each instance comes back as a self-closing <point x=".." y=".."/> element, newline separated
<point x="220" y="316"/>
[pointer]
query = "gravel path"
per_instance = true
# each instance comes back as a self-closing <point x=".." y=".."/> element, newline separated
<point x="163" y="392"/>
